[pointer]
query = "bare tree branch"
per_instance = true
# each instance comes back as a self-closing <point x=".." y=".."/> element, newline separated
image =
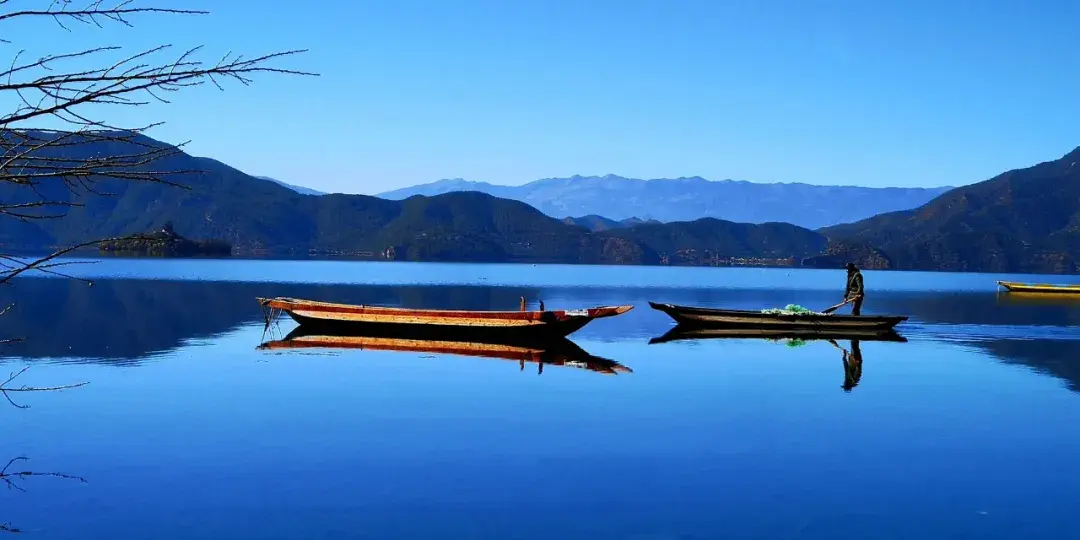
<point x="10" y="478"/>
<point x="13" y="479"/>
<point x="88" y="14"/>
<point x="112" y="85"/>
<point x="45" y="173"/>
<point x="44" y="263"/>
<point x="5" y="389"/>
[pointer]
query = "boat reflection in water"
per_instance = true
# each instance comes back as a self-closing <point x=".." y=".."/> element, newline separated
<point x="749" y="320"/>
<point x="680" y="333"/>
<point x="1047" y="299"/>
<point x="851" y="356"/>
<point x="552" y="351"/>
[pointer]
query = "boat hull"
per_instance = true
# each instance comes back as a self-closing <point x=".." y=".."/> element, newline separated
<point x="681" y="333"/>
<point x="690" y="317"/>
<point x="485" y="325"/>
<point x="1039" y="288"/>
<point x="532" y="332"/>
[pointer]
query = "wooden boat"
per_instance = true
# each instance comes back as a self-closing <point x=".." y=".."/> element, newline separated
<point x="559" y="352"/>
<point x="1039" y="288"/>
<point x="479" y="324"/>
<point x="737" y="318"/>
<point x="680" y="333"/>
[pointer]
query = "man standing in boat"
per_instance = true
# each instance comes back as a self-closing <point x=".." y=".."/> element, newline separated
<point x="854" y="291"/>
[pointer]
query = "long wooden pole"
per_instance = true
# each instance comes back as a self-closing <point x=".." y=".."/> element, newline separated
<point x="837" y="306"/>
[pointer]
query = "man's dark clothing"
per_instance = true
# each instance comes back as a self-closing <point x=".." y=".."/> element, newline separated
<point x="854" y="290"/>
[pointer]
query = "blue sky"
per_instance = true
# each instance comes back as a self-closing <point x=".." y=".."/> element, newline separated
<point x="904" y="93"/>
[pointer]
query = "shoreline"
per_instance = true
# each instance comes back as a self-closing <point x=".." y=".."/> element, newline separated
<point x="93" y="256"/>
<point x="248" y="256"/>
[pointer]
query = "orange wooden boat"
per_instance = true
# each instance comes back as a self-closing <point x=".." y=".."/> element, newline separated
<point x="479" y="324"/>
<point x="559" y="352"/>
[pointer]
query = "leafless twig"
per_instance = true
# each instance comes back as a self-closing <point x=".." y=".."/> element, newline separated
<point x="6" y="390"/>
<point x="45" y="264"/>
<point x="10" y="478"/>
<point x="45" y="173"/>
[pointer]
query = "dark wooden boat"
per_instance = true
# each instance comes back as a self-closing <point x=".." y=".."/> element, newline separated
<point x="681" y="333"/>
<point x="479" y="324"/>
<point x="737" y="318"/>
<point x="558" y="352"/>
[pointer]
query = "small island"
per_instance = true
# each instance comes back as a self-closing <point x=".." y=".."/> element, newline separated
<point x="165" y="243"/>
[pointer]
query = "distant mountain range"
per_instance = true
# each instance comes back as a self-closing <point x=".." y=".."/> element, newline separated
<point x="299" y="189"/>
<point x="687" y="199"/>
<point x="1025" y="220"/>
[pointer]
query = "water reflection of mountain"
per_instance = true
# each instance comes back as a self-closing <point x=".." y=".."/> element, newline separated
<point x="1034" y="333"/>
<point x="981" y="309"/>
<point x="1059" y="358"/>
<point x="125" y="320"/>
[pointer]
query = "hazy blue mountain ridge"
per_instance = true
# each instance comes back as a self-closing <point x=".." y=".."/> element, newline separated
<point x="686" y="199"/>
<point x="299" y="189"/>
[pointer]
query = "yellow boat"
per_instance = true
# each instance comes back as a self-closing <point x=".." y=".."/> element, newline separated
<point x="1040" y="288"/>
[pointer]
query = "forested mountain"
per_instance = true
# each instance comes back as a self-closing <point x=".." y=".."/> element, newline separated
<point x="255" y="215"/>
<point x="1024" y="220"/>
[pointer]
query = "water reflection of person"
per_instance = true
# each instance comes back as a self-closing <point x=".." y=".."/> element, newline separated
<point x="852" y="364"/>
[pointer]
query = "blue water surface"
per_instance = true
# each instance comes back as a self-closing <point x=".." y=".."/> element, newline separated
<point x="187" y="431"/>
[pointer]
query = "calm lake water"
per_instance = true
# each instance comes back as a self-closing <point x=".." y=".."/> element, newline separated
<point x="187" y="430"/>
